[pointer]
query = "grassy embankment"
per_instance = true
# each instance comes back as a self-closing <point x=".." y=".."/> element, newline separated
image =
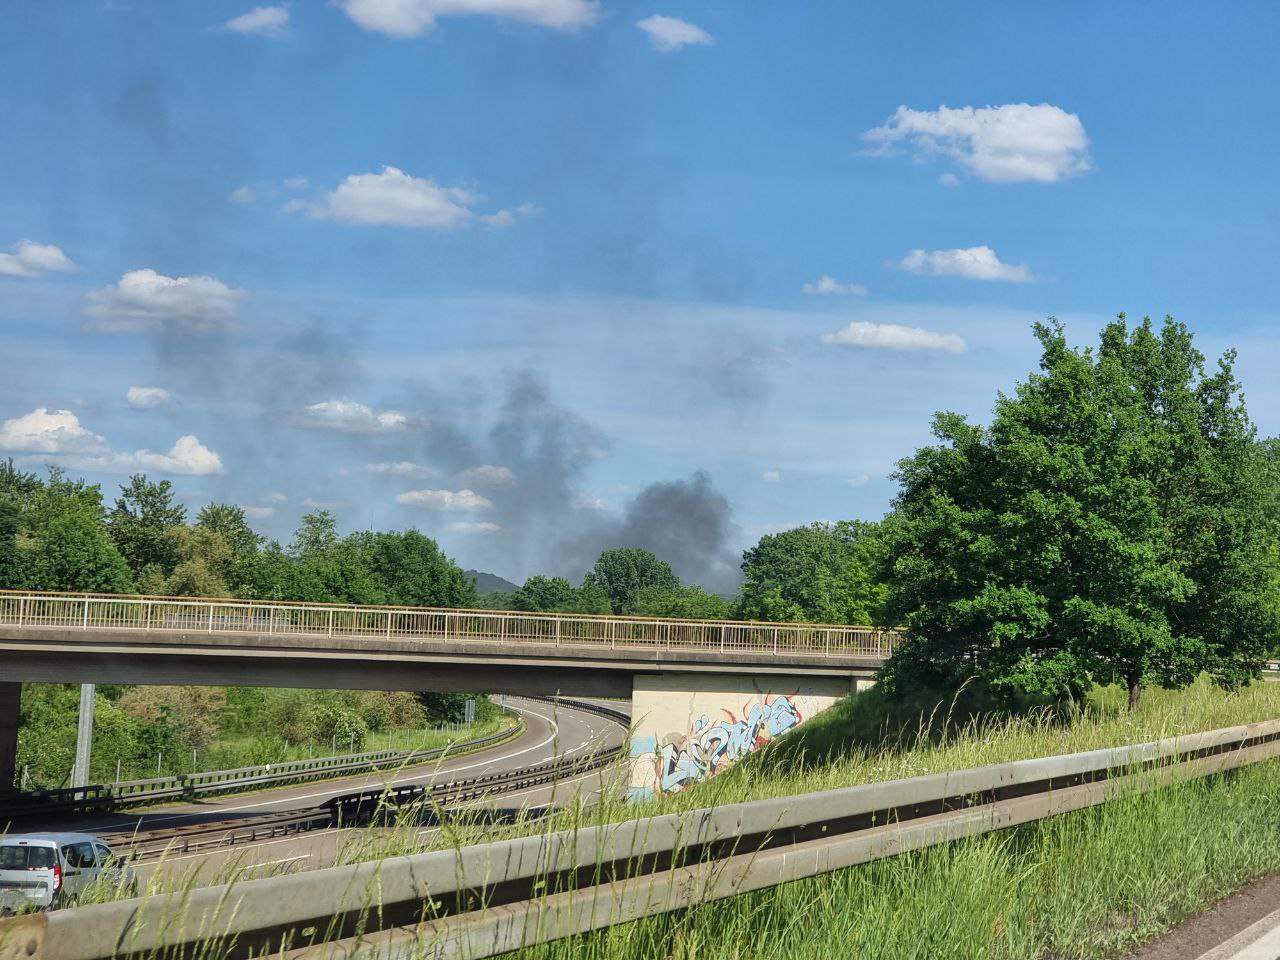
<point x="1089" y="884"/>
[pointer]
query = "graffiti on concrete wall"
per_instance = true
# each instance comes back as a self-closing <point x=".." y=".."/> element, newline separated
<point x="711" y="745"/>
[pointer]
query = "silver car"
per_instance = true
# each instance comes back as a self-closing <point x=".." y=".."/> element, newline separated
<point x="42" y="871"/>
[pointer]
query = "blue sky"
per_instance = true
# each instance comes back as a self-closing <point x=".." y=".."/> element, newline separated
<point x="539" y="276"/>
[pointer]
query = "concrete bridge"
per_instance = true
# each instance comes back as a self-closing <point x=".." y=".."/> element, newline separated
<point x="703" y="692"/>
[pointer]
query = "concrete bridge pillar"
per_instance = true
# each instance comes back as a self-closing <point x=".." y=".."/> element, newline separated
<point x="690" y="726"/>
<point x="10" y="708"/>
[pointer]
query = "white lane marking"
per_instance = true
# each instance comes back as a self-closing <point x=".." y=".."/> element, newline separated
<point x="555" y="732"/>
<point x="1258" y="941"/>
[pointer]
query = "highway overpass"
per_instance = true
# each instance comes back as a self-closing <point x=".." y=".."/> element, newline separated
<point x="709" y="690"/>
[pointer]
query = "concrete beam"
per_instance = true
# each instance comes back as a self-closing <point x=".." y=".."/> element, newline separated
<point x="56" y="654"/>
<point x="10" y="710"/>
<point x="316" y="674"/>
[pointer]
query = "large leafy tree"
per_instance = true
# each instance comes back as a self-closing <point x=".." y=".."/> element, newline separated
<point x="141" y="523"/>
<point x="621" y="574"/>
<point x="412" y="571"/>
<point x="12" y="569"/>
<point x="557" y="594"/>
<point x="75" y="553"/>
<point x="822" y="573"/>
<point x="1109" y="526"/>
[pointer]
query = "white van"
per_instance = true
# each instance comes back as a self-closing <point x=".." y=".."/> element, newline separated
<point x="42" y="871"/>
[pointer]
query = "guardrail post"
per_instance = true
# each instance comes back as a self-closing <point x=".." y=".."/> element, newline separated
<point x="271" y="620"/>
<point x="388" y="624"/>
<point x="330" y="623"/>
<point x="775" y="641"/>
<point x="211" y="618"/>
<point x="85" y="623"/>
<point x="826" y="649"/>
<point x="557" y="631"/>
<point x="22" y="609"/>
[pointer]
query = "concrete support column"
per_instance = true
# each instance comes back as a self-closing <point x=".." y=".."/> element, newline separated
<point x="690" y="726"/>
<point x="10" y="708"/>
<point x="84" y="737"/>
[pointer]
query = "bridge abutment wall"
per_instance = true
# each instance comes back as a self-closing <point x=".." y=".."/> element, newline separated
<point x="10" y="709"/>
<point x="688" y="727"/>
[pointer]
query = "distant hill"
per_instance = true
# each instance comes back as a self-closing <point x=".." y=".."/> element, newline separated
<point x="490" y="582"/>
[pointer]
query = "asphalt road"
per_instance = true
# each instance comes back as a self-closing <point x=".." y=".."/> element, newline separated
<point x="552" y="730"/>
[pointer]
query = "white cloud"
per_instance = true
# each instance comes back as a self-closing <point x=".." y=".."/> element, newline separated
<point x="859" y="480"/>
<point x="669" y="34"/>
<point x="402" y="468"/>
<point x="60" y="435"/>
<point x="42" y="431"/>
<point x="975" y="263"/>
<point x="258" y="513"/>
<point x="1016" y="142"/>
<point x="827" y="285"/>
<point x="412" y="18"/>
<point x="891" y="336"/>
<point x="505" y="218"/>
<point x="445" y="500"/>
<point x="295" y="183"/>
<point x="188" y="455"/>
<point x="393" y="198"/>
<point x="31" y="259"/>
<point x="348" y="416"/>
<point x="147" y="398"/>
<point x="771" y="476"/>
<point x="277" y="497"/>
<point x="487" y="475"/>
<point x="144" y="299"/>
<point x="949" y="179"/>
<point x="270" y="22"/>
<point x="241" y="195"/>
<point x="469" y="526"/>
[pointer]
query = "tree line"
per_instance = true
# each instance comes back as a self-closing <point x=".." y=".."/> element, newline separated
<point x="1117" y="521"/>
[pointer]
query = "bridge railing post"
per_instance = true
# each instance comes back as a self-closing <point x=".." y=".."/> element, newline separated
<point x="85" y="622"/>
<point x="330" y="622"/>
<point x="22" y="610"/>
<point x="388" y="624"/>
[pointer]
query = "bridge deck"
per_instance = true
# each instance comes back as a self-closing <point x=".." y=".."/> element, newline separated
<point x="101" y="614"/>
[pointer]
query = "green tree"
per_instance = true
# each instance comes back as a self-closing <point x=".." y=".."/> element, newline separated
<point x="12" y="567"/>
<point x="318" y="534"/>
<point x="1109" y="526"/>
<point x="57" y="495"/>
<point x="541" y="593"/>
<point x="204" y="567"/>
<point x="822" y="573"/>
<point x="75" y="553"/>
<point x="623" y="572"/>
<point x="691" y="603"/>
<point x="141" y="521"/>
<point x="411" y="570"/>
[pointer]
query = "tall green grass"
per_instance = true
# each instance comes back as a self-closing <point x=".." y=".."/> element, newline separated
<point x="1087" y="884"/>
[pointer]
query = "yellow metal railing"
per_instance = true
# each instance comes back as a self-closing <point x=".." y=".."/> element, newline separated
<point x="190" y="615"/>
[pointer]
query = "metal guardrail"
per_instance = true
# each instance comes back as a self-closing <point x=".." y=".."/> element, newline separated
<point x="189" y="616"/>
<point x="378" y="804"/>
<point x="98" y="798"/>
<point x="486" y="899"/>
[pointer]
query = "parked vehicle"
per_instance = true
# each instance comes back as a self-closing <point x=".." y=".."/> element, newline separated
<point x="43" y="871"/>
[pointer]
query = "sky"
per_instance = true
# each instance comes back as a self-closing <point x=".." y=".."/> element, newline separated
<point x="540" y="277"/>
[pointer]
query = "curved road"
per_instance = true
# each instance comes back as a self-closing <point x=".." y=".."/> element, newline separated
<point x="552" y="730"/>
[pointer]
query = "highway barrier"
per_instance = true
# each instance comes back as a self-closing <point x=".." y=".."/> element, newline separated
<point x="99" y="798"/>
<point x="485" y="899"/>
